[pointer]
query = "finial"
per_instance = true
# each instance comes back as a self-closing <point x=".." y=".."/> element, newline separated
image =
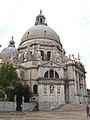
<point x="73" y="56"/>
<point x="12" y="37"/>
<point x="69" y="57"/>
<point x="78" y="57"/>
<point x="40" y="11"/>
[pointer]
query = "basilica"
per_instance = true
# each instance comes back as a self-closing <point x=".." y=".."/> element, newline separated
<point x="54" y="78"/>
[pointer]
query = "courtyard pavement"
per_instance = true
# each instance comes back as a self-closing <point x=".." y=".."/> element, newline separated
<point x="52" y="115"/>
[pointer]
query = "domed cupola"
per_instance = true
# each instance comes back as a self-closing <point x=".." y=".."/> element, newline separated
<point x="40" y="19"/>
<point x="9" y="51"/>
<point x="40" y="31"/>
<point x="11" y="43"/>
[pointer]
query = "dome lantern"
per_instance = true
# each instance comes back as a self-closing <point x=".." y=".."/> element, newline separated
<point x="40" y="19"/>
<point x="11" y="43"/>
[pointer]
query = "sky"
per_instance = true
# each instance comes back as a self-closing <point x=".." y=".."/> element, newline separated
<point x="69" y="18"/>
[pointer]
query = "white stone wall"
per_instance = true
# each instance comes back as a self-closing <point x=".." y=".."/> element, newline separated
<point x="70" y="72"/>
<point x="7" y="106"/>
<point x="11" y="106"/>
<point x="36" y="68"/>
<point x="49" y="100"/>
<point x="28" y="106"/>
<point x="71" y="92"/>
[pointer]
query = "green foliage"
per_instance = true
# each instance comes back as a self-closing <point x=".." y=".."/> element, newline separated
<point x="8" y="77"/>
<point x="20" y="90"/>
<point x="11" y="85"/>
<point x="1" y="96"/>
<point x="23" y="90"/>
<point x="11" y="95"/>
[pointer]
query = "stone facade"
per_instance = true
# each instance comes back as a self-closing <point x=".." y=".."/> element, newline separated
<point x="88" y="94"/>
<point x="54" y="78"/>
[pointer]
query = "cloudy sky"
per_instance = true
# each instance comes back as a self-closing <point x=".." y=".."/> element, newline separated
<point x="69" y="18"/>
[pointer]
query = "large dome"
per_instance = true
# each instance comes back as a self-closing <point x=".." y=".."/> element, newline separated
<point x="40" y="30"/>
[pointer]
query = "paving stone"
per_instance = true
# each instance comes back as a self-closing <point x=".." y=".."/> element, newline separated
<point x="53" y="115"/>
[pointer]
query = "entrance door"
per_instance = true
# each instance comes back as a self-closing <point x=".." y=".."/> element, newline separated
<point x="66" y="89"/>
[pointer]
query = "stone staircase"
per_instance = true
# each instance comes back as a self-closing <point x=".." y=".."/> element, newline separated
<point x="71" y="107"/>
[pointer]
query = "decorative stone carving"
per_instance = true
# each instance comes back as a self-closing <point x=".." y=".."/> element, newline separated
<point x="58" y="90"/>
<point x="28" y="56"/>
<point x="45" y="89"/>
<point x="51" y="88"/>
<point x="21" y="57"/>
<point x="51" y="58"/>
<point x="25" y="59"/>
<point x="39" y="57"/>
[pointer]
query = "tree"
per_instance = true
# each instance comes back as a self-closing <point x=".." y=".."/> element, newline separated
<point x="20" y="91"/>
<point x="8" y="77"/>
<point x="23" y="90"/>
<point x="11" y="85"/>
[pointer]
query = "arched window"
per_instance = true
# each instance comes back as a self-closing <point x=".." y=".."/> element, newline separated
<point x="56" y="75"/>
<point x="42" y="54"/>
<point x="29" y="55"/>
<point x="23" y="56"/>
<point x="40" y="20"/>
<point x="35" y="89"/>
<point x="48" y="55"/>
<point x="46" y="75"/>
<point x="51" y="73"/>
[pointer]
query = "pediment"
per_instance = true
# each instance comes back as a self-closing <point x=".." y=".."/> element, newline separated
<point x="51" y="64"/>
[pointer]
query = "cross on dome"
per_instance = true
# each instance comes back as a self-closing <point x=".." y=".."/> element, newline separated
<point x="40" y="11"/>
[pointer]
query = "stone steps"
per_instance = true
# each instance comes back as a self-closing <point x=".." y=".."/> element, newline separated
<point x="71" y="107"/>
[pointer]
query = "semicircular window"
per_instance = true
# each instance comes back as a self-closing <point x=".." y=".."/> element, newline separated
<point x="46" y="75"/>
<point x="56" y="75"/>
<point x="51" y="74"/>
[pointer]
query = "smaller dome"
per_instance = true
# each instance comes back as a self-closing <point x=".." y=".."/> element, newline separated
<point x="9" y="51"/>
